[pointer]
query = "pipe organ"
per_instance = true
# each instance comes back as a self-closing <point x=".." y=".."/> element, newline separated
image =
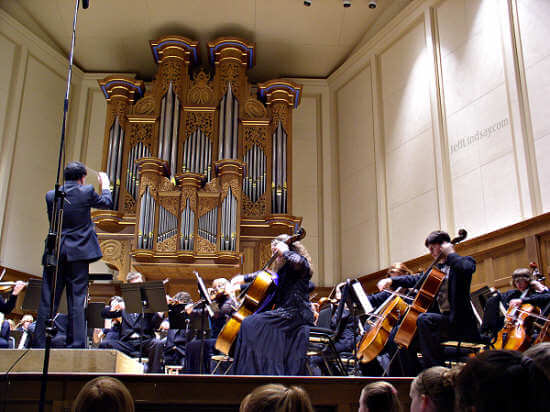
<point x="205" y="158"/>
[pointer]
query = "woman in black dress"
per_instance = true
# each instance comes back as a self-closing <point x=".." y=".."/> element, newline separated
<point x="274" y="342"/>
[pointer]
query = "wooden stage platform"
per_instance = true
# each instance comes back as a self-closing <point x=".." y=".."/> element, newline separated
<point x="20" y="389"/>
<point x="186" y="393"/>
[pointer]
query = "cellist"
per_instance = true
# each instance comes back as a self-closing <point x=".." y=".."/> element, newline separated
<point x="451" y="315"/>
<point x="521" y="281"/>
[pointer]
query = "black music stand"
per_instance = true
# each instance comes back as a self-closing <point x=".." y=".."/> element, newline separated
<point x="206" y="306"/>
<point x="144" y="297"/>
<point x="33" y="292"/>
<point x="359" y="306"/>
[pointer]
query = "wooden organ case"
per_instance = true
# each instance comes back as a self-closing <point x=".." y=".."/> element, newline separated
<point x="200" y="165"/>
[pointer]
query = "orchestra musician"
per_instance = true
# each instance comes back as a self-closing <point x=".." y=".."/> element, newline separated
<point x="451" y="315"/>
<point x="224" y="306"/>
<point x="111" y="333"/>
<point x="343" y="342"/>
<point x="493" y="320"/>
<point x="78" y="248"/>
<point x="131" y="328"/>
<point x="176" y="339"/>
<point x="6" y="306"/>
<point x="274" y="342"/>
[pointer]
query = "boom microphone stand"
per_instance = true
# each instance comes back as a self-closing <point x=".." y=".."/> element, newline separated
<point x="53" y="241"/>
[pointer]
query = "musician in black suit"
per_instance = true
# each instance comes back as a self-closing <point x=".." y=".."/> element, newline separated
<point x="451" y="315"/>
<point x="177" y="339"/>
<point x="131" y="329"/>
<point x="78" y="248"/>
<point x="6" y="306"/>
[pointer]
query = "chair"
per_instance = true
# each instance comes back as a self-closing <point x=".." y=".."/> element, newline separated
<point x="223" y="362"/>
<point x="322" y="338"/>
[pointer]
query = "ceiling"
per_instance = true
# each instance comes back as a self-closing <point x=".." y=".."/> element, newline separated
<point x="291" y="40"/>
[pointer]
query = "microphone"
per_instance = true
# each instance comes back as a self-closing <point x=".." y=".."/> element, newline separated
<point x="85" y="4"/>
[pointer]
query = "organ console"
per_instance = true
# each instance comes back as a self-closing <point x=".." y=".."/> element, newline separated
<point x="199" y="163"/>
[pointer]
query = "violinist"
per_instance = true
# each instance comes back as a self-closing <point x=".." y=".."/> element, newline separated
<point x="451" y="315"/>
<point x="131" y="328"/>
<point x="344" y="341"/>
<point x="111" y="332"/>
<point x="274" y="342"/>
<point x="176" y="339"/>
<point x="493" y="320"/>
<point x="6" y="306"/>
<point x="224" y="306"/>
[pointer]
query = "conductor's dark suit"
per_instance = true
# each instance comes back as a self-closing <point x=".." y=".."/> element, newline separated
<point x="79" y="247"/>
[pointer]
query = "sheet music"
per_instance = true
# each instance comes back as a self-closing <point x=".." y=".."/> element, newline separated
<point x="360" y="294"/>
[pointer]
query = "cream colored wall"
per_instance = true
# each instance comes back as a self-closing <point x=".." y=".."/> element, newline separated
<point x="32" y="89"/>
<point x="533" y="18"/>
<point x="457" y="104"/>
<point x="358" y="216"/>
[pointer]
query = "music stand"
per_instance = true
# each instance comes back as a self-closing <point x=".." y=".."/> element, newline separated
<point x="93" y="315"/>
<point x="144" y="297"/>
<point x="178" y="317"/>
<point x="33" y="292"/>
<point x="205" y="305"/>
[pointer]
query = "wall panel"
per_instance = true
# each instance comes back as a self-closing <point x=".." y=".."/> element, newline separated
<point x="533" y="16"/>
<point x="408" y="140"/>
<point x="34" y="168"/>
<point x="482" y="163"/>
<point x="358" y="215"/>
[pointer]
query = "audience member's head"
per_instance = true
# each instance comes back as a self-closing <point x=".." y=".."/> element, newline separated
<point x="104" y="394"/>
<point x="276" y="398"/>
<point x="379" y="397"/>
<point x="502" y="381"/>
<point x="433" y="390"/>
<point x="540" y="354"/>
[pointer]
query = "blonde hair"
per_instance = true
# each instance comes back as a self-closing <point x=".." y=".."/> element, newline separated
<point x="399" y="267"/>
<point x="276" y="398"/>
<point x="380" y="396"/>
<point x="438" y="384"/>
<point x="104" y="394"/>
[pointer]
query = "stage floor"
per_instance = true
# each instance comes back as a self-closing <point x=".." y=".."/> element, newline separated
<point x="72" y="368"/>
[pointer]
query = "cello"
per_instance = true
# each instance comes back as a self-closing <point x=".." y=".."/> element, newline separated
<point x="518" y="322"/>
<point x="254" y="298"/>
<point x="388" y="315"/>
<point x="433" y="278"/>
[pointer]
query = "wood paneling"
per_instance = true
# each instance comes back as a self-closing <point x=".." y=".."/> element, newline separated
<point x="497" y="254"/>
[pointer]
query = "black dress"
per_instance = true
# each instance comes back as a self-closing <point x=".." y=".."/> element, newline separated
<point x="274" y="342"/>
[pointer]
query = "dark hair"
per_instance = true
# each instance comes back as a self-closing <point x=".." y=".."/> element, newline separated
<point x="276" y="398"/>
<point x="494" y="381"/>
<point x="437" y="237"/>
<point x="540" y="353"/>
<point x="104" y="394"/>
<point x="74" y="171"/>
<point x="438" y="384"/>
<point x="183" y="297"/>
<point x="380" y="396"/>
